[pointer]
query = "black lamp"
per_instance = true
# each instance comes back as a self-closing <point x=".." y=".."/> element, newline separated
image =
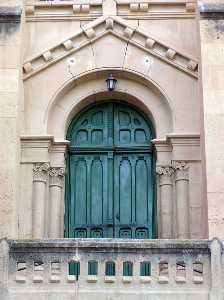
<point x="111" y="83"/>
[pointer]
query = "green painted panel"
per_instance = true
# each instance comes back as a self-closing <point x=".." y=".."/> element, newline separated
<point x="96" y="187"/>
<point x="92" y="268"/>
<point x="133" y="196"/>
<point x="74" y="269"/>
<point x="141" y="181"/>
<point x="145" y="268"/>
<point x="110" y="174"/>
<point x="110" y="268"/>
<point x="127" y="268"/>
<point x="125" y="191"/>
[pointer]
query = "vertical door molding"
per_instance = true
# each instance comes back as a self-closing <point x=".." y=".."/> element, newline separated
<point x="56" y="182"/>
<point x="165" y="174"/>
<point x="182" y="199"/>
<point x="40" y="177"/>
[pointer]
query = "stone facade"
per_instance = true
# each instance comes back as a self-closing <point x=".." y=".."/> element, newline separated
<point x="167" y="57"/>
<point x="55" y="57"/>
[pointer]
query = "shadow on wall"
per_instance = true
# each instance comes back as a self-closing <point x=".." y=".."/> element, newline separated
<point x="9" y="21"/>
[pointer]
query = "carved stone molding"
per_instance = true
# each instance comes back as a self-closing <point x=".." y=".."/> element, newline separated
<point x="165" y="170"/>
<point x="40" y="171"/>
<point x="56" y="176"/>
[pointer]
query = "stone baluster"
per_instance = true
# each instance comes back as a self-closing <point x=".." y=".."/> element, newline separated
<point x="56" y="180"/>
<point x="182" y="200"/>
<point x="166" y="200"/>
<point x="40" y="176"/>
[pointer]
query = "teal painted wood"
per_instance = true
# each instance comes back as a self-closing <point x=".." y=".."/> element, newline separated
<point x="109" y="185"/>
<point x="127" y="268"/>
<point x="92" y="268"/>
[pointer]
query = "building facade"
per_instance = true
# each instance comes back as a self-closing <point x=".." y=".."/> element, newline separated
<point x="138" y="163"/>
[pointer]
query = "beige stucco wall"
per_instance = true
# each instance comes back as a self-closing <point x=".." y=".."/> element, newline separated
<point x="67" y="55"/>
<point x="11" y="95"/>
<point x="212" y="45"/>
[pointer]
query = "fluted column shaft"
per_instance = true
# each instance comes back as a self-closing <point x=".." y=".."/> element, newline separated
<point x="40" y="175"/>
<point x="166" y="200"/>
<point x="182" y="200"/>
<point x="56" y="180"/>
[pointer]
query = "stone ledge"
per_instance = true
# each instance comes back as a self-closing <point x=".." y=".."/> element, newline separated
<point x="114" y="245"/>
<point x="10" y="14"/>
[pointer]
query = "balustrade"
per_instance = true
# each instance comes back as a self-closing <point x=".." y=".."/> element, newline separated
<point x="108" y="266"/>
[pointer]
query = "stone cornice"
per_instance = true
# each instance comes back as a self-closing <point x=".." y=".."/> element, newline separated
<point x="121" y="29"/>
<point x="140" y="9"/>
<point x="56" y="9"/>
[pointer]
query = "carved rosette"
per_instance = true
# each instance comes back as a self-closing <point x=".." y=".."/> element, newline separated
<point x="56" y="176"/>
<point x="165" y="174"/>
<point x="40" y="172"/>
<point x="181" y="169"/>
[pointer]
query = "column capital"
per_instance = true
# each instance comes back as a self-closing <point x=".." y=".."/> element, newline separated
<point x="56" y="176"/>
<point x="40" y="171"/>
<point x="181" y="169"/>
<point x="164" y="170"/>
<point x="180" y="165"/>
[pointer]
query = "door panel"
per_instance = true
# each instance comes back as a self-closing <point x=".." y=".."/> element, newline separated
<point x="130" y="128"/>
<point x="133" y="194"/>
<point x="93" y="128"/>
<point x="88" y="186"/>
<point x="110" y="189"/>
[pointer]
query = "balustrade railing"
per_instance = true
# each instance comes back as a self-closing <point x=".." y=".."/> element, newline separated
<point x="110" y="269"/>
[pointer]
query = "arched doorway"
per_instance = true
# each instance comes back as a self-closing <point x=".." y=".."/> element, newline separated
<point x="110" y="177"/>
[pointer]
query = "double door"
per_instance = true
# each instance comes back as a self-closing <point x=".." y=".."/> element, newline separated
<point x="110" y="184"/>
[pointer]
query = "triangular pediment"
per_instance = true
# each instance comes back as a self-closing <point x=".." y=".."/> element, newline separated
<point x="117" y="27"/>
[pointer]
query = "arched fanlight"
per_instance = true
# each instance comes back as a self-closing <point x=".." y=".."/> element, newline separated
<point x="111" y="83"/>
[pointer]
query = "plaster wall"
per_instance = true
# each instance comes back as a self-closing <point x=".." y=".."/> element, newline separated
<point x="212" y="44"/>
<point x="11" y="96"/>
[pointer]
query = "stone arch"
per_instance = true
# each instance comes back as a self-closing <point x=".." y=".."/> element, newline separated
<point x="89" y="88"/>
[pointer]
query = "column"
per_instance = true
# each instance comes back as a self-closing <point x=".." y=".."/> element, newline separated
<point x="40" y="176"/>
<point x="166" y="200"/>
<point x="182" y="200"/>
<point x="56" y="181"/>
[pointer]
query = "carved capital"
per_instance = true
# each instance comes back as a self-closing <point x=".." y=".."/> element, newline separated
<point x="181" y="169"/>
<point x="181" y="165"/>
<point x="40" y="171"/>
<point x="164" y="170"/>
<point x="56" y="176"/>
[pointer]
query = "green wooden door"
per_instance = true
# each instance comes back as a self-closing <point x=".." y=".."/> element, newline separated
<point x="110" y="174"/>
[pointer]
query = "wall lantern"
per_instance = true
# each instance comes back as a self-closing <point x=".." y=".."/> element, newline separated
<point x="111" y="83"/>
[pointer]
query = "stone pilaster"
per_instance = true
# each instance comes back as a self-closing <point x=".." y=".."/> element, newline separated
<point x="165" y="174"/>
<point x="56" y="182"/>
<point x="182" y="199"/>
<point x="40" y="177"/>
